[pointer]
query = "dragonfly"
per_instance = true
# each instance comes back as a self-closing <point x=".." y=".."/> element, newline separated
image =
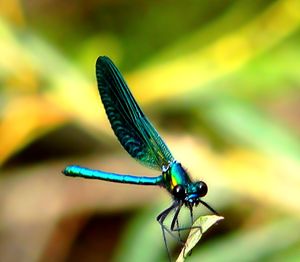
<point x="141" y="140"/>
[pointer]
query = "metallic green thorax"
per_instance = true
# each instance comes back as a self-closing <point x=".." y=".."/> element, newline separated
<point x="175" y="175"/>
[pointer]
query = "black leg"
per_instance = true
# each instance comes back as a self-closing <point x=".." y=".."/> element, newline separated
<point x="191" y="212"/>
<point x="191" y="215"/>
<point x="179" y="234"/>
<point x="175" y="218"/>
<point x="160" y="219"/>
<point x="209" y="207"/>
<point x="177" y="206"/>
<point x="185" y="228"/>
<point x="163" y="215"/>
<point x="192" y="219"/>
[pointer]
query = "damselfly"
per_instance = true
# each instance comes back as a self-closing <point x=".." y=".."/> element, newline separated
<point x="140" y="139"/>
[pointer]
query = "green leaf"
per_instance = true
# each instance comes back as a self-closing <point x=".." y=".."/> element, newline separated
<point x="201" y="225"/>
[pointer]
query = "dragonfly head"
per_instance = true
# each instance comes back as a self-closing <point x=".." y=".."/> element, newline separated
<point x="190" y="193"/>
<point x="180" y="185"/>
<point x="182" y="188"/>
<point x="196" y="190"/>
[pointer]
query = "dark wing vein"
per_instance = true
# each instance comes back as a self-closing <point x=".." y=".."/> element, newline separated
<point x="134" y="131"/>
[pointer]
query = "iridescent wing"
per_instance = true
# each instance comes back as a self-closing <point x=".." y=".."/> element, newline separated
<point x="130" y="125"/>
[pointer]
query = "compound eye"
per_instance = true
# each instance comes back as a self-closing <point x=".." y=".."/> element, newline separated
<point x="179" y="192"/>
<point x="201" y="189"/>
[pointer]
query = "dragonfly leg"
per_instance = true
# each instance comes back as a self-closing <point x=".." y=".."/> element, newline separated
<point x="192" y="218"/>
<point x="179" y="234"/>
<point x="160" y="219"/>
<point x="162" y="216"/>
<point x="191" y="214"/>
<point x="175" y="221"/>
<point x="208" y="207"/>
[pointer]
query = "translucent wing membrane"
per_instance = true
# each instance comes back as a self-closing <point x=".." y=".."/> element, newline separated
<point x="130" y="125"/>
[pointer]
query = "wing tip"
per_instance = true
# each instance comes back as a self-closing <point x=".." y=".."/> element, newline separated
<point x="103" y="64"/>
<point x="101" y="60"/>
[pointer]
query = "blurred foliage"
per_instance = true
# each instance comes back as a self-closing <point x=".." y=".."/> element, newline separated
<point x="219" y="79"/>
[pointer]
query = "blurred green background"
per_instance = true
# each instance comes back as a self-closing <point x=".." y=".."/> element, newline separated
<point x="219" y="79"/>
